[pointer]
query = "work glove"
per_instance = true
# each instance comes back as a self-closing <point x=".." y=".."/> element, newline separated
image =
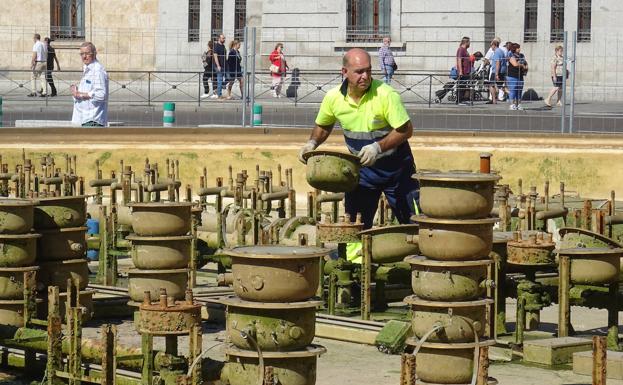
<point x="309" y="146"/>
<point x="369" y="154"/>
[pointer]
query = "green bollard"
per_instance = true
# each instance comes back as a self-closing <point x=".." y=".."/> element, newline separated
<point x="168" y="114"/>
<point x="257" y="114"/>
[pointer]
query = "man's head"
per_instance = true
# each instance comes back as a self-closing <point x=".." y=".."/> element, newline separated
<point x="47" y="40"/>
<point x="507" y="44"/>
<point x="221" y="38"/>
<point x="88" y="53"/>
<point x="495" y="43"/>
<point x="465" y="41"/>
<point x="387" y="40"/>
<point x="36" y="37"/>
<point x="357" y="69"/>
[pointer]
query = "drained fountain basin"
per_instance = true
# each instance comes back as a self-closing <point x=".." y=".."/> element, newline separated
<point x="458" y="195"/>
<point x="16" y="216"/>
<point x="174" y="281"/>
<point x="448" y="280"/>
<point x="455" y="239"/>
<point x="160" y="252"/>
<point x="157" y="219"/>
<point x="332" y="171"/>
<point x="291" y="368"/>
<point x="275" y="273"/>
<point x="274" y="326"/>
<point x="60" y="212"/>
<point x="18" y="250"/>
<point x="392" y="243"/>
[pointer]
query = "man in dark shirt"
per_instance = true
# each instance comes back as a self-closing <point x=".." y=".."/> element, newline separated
<point x="219" y="65"/>
<point x="464" y="67"/>
<point x="51" y="59"/>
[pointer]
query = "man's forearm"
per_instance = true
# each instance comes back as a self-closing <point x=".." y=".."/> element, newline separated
<point x="320" y="133"/>
<point x="397" y="137"/>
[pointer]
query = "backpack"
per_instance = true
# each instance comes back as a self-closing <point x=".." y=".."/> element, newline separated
<point x="454" y="73"/>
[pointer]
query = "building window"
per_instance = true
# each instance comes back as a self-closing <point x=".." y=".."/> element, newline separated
<point x="368" y="20"/>
<point x="67" y="19"/>
<point x="193" y="20"/>
<point x="217" y="19"/>
<point x="240" y="18"/>
<point x="530" y="21"/>
<point x="558" y="21"/>
<point x="584" y="20"/>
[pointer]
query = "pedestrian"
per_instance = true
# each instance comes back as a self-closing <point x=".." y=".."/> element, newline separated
<point x="488" y="58"/>
<point x="207" y="58"/>
<point x="386" y="60"/>
<point x="278" y="68"/>
<point x="376" y="128"/>
<point x="464" y="68"/>
<point x="219" y="65"/>
<point x="557" y="64"/>
<point x="234" y="60"/>
<point x="498" y="71"/>
<point x="51" y="58"/>
<point x="91" y="95"/>
<point x="517" y="69"/>
<point x="38" y="67"/>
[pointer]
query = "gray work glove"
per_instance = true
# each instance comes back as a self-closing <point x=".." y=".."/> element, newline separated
<point x="369" y="154"/>
<point x="309" y="146"/>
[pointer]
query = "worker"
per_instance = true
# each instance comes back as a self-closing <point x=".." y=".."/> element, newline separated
<point x="376" y="128"/>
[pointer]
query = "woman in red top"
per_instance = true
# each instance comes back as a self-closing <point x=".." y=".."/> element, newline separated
<point x="278" y="68"/>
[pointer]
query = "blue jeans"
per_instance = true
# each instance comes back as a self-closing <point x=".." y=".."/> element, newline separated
<point x="220" y="77"/>
<point x="388" y="73"/>
<point x="515" y="88"/>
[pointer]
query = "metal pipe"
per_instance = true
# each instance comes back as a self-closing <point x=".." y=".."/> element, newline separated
<point x="574" y="42"/>
<point x="485" y="162"/>
<point x="563" y="296"/>
<point x="564" y="84"/>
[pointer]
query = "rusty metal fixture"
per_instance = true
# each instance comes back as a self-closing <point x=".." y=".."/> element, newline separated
<point x="593" y="266"/>
<point x="342" y="231"/>
<point x="157" y="219"/>
<point x="291" y="368"/>
<point x="459" y="319"/>
<point x="275" y="273"/>
<point x="456" y="195"/>
<point x="16" y="216"/>
<point x="174" y="281"/>
<point x="532" y="250"/>
<point x="332" y="171"/>
<point x="85" y="300"/>
<point x="57" y="273"/>
<point x="62" y="244"/>
<point x="12" y="313"/>
<point x="12" y="281"/>
<point x="60" y="212"/>
<point x="455" y="239"/>
<point x="167" y="317"/>
<point x="160" y="252"/>
<point x="392" y="243"/>
<point x="18" y="249"/>
<point x="440" y="363"/>
<point x="274" y="326"/>
<point x="448" y="280"/>
<point x="296" y="227"/>
<point x="576" y="237"/>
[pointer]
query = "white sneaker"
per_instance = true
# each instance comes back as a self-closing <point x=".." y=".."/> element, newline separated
<point x="214" y="96"/>
<point x="205" y="96"/>
<point x="513" y="107"/>
<point x="519" y="107"/>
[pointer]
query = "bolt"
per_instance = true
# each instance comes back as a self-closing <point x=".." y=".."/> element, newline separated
<point x="170" y="301"/>
<point x="358" y="219"/>
<point x="347" y="218"/>
<point x="342" y="219"/>
<point x="516" y="236"/>
<point x="147" y="298"/>
<point x="189" y="297"/>
<point x="163" y="297"/>
<point x="533" y="238"/>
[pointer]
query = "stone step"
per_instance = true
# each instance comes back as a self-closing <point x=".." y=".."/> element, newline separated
<point x="583" y="364"/>
<point x="555" y="351"/>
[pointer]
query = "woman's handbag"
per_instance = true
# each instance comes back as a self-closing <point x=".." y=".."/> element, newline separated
<point x="274" y="69"/>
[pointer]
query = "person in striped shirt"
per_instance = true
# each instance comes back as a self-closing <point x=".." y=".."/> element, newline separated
<point x="386" y="60"/>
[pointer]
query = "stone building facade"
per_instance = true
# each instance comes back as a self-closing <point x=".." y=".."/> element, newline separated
<point x="169" y="35"/>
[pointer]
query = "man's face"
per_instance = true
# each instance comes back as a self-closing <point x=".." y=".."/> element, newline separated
<point x="358" y="72"/>
<point x="221" y="39"/>
<point x="387" y="41"/>
<point x="86" y="55"/>
<point x="468" y="44"/>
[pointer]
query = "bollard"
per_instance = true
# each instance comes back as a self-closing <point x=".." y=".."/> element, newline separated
<point x="257" y="114"/>
<point x="168" y="114"/>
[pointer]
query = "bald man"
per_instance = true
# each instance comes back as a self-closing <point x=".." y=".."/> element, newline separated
<point x="376" y="128"/>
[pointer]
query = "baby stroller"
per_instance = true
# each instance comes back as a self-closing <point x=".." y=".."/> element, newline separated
<point x="449" y="87"/>
<point x="477" y="84"/>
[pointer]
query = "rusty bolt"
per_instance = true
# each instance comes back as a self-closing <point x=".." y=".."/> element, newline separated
<point x="347" y="218"/>
<point x="189" y="297"/>
<point x="163" y="297"/>
<point x="516" y="236"/>
<point x="147" y="298"/>
<point x="170" y="301"/>
<point x="358" y="219"/>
